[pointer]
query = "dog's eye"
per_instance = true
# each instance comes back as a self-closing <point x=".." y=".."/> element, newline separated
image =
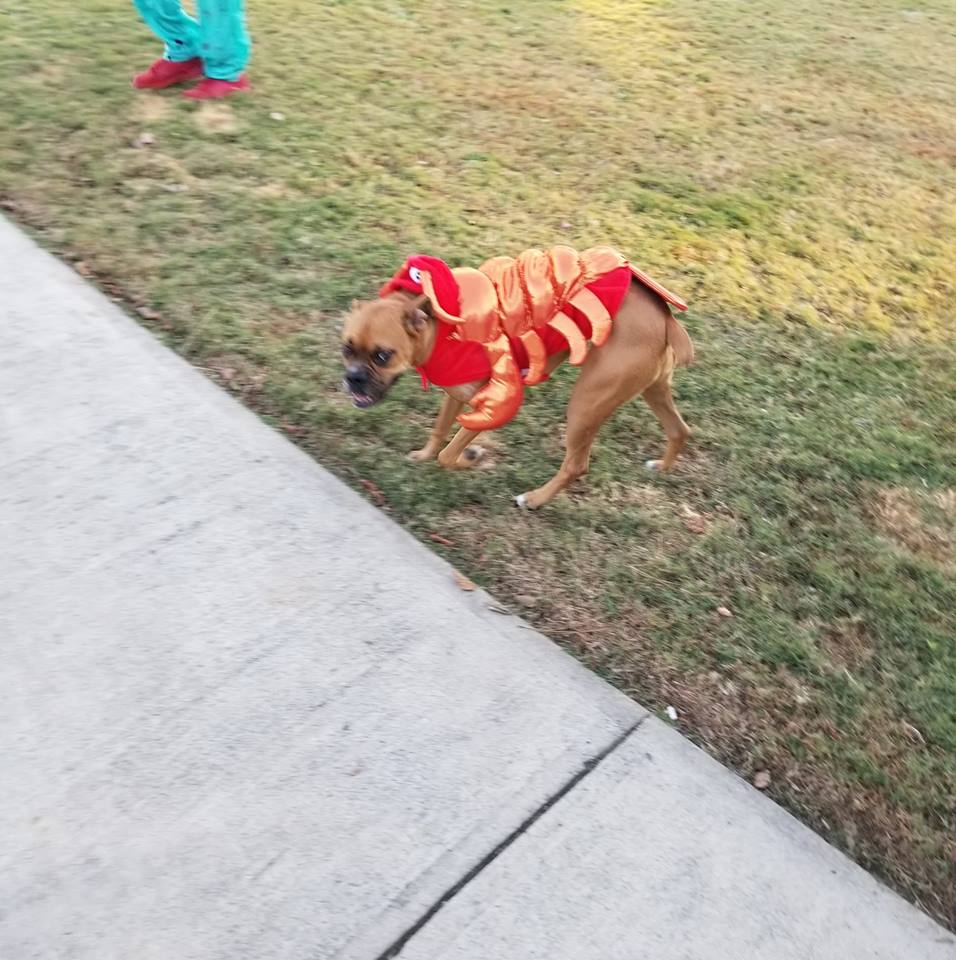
<point x="347" y="350"/>
<point x="381" y="357"/>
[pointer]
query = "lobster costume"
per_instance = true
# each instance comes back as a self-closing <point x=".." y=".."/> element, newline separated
<point x="501" y="322"/>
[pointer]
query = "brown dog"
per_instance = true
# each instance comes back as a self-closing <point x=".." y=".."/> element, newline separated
<point x="385" y="337"/>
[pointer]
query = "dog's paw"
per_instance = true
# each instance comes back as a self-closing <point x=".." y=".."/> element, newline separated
<point x="521" y="501"/>
<point x="653" y="465"/>
<point x="420" y="456"/>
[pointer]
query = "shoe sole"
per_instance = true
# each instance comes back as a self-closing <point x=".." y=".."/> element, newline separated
<point x="169" y="83"/>
<point x="189" y="95"/>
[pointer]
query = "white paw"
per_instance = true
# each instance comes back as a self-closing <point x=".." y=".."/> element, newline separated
<point x="652" y="465"/>
<point x="522" y="501"/>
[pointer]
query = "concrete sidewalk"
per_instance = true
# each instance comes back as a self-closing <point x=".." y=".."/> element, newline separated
<point x="244" y="715"/>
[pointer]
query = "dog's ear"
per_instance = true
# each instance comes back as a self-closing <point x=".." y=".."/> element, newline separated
<point x="417" y="314"/>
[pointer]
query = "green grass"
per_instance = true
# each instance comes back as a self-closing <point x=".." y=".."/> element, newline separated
<point x="791" y="172"/>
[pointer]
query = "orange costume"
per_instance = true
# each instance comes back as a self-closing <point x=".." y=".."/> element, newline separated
<point x="515" y="313"/>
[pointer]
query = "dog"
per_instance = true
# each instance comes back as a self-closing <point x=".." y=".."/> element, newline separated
<point x="407" y="328"/>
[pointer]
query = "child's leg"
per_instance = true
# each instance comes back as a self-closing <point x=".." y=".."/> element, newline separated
<point x="168" y="20"/>
<point x="224" y="42"/>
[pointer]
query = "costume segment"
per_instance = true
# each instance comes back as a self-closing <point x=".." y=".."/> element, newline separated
<point x="502" y="321"/>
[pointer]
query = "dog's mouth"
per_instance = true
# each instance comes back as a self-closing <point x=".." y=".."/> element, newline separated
<point x="367" y="398"/>
<point x="363" y="400"/>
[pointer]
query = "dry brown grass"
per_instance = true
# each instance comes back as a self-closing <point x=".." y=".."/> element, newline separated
<point x="923" y="521"/>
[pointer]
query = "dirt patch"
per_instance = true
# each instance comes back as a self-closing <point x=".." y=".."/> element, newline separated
<point x="151" y="108"/>
<point x="922" y="521"/>
<point x="847" y="643"/>
<point x="278" y="324"/>
<point x="643" y="495"/>
<point x="237" y="374"/>
<point x="216" y="119"/>
<point x="273" y="191"/>
<point x="149" y="168"/>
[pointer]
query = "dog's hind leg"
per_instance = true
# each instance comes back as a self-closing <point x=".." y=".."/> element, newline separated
<point x="632" y="359"/>
<point x="577" y="455"/>
<point x="659" y="398"/>
<point x="600" y="390"/>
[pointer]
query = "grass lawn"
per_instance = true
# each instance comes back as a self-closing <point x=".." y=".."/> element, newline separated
<point x="789" y="169"/>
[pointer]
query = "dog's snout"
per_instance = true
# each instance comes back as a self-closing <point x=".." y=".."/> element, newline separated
<point x="356" y="377"/>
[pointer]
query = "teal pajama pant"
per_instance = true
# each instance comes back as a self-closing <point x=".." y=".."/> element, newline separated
<point x="218" y="36"/>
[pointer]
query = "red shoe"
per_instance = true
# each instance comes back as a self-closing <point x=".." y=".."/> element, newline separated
<point x="212" y="89"/>
<point x="167" y="73"/>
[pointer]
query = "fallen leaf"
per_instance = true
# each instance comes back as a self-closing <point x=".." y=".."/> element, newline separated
<point x="147" y="313"/>
<point x="275" y="115"/>
<point x="145" y="139"/>
<point x="463" y="582"/>
<point x="913" y="733"/>
<point x="762" y="780"/>
<point x="671" y="713"/>
<point x="694" y="521"/>
<point x="724" y="612"/>
<point x="291" y="428"/>
<point x="438" y="538"/>
<point x="375" y="492"/>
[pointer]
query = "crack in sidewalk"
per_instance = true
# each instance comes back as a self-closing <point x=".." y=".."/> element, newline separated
<point x="396" y="947"/>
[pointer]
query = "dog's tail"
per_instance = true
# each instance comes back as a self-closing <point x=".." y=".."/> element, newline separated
<point x="679" y="341"/>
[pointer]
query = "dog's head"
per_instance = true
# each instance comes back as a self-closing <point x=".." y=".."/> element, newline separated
<point x="381" y="339"/>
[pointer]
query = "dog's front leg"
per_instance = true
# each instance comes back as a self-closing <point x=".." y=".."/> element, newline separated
<point x="458" y="455"/>
<point x="450" y="408"/>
